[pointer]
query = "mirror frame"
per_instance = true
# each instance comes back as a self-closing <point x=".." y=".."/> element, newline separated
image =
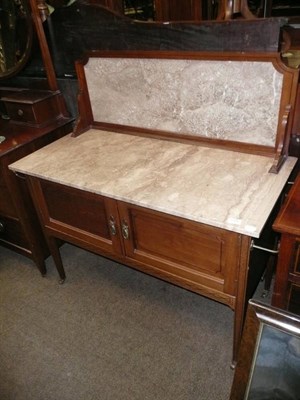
<point x="27" y="51"/>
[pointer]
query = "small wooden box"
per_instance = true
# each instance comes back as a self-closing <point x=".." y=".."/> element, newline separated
<point x="32" y="107"/>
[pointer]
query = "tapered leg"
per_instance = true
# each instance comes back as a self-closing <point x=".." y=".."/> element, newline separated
<point x="241" y="300"/>
<point x="42" y="267"/>
<point x="54" y="249"/>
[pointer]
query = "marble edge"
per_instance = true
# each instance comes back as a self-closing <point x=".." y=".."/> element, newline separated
<point x="252" y="231"/>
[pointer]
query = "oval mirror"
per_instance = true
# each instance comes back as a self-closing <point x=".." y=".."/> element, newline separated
<point x="15" y="36"/>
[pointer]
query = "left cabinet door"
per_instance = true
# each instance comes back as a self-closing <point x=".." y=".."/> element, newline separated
<point x="82" y="218"/>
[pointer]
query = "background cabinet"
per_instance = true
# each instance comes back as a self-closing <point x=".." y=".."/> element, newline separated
<point x="19" y="226"/>
<point x="29" y="120"/>
<point x="286" y="293"/>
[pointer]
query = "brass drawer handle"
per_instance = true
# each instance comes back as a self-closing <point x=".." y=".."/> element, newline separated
<point x="112" y="226"/>
<point x="125" y="230"/>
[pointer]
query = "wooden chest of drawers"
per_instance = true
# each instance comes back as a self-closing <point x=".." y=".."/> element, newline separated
<point x="19" y="226"/>
<point x="35" y="108"/>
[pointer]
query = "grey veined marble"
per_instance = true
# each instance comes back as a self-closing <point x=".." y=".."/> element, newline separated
<point x="232" y="100"/>
<point x="222" y="188"/>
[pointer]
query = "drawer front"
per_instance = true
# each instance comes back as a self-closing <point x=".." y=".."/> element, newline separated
<point x="77" y="214"/>
<point x="12" y="233"/>
<point x="38" y="113"/>
<point x="20" y="112"/>
<point x="192" y="251"/>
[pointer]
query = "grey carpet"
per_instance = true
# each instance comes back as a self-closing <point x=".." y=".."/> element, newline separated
<point x="108" y="333"/>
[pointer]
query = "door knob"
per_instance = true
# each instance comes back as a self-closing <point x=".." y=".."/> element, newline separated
<point x="125" y="230"/>
<point x="112" y="226"/>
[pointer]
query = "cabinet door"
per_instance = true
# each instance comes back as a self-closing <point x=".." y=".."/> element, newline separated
<point x="197" y="256"/>
<point x="83" y="218"/>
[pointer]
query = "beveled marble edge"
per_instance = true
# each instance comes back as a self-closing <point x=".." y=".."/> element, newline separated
<point x="225" y="189"/>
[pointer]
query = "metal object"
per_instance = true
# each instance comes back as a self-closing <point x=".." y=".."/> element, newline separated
<point x="254" y="246"/>
<point x="125" y="230"/>
<point x="112" y="226"/>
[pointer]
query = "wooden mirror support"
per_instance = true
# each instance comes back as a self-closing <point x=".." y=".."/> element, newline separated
<point x="39" y="12"/>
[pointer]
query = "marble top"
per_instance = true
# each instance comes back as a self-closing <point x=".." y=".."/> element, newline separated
<point x="222" y="188"/>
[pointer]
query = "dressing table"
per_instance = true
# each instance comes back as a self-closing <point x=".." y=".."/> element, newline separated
<point x="29" y="120"/>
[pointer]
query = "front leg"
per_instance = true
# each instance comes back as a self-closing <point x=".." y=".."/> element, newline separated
<point x="54" y="249"/>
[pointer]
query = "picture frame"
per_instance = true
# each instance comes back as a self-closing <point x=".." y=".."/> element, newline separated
<point x="268" y="366"/>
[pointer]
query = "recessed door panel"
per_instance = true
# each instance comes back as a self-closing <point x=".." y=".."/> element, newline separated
<point x="79" y="216"/>
<point x="193" y="251"/>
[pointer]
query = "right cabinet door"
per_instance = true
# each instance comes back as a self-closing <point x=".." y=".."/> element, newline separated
<point x="197" y="256"/>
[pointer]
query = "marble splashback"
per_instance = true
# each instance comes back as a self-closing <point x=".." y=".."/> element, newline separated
<point x="231" y="100"/>
<point x="226" y="189"/>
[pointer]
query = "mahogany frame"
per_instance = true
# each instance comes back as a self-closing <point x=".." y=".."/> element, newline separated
<point x="39" y="13"/>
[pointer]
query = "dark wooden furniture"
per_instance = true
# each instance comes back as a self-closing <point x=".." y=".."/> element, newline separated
<point x="269" y="362"/>
<point x="178" y="10"/>
<point x="35" y="108"/>
<point x="286" y="292"/>
<point x="273" y="8"/>
<point x="32" y="119"/>
<point x="208" y="257"/>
